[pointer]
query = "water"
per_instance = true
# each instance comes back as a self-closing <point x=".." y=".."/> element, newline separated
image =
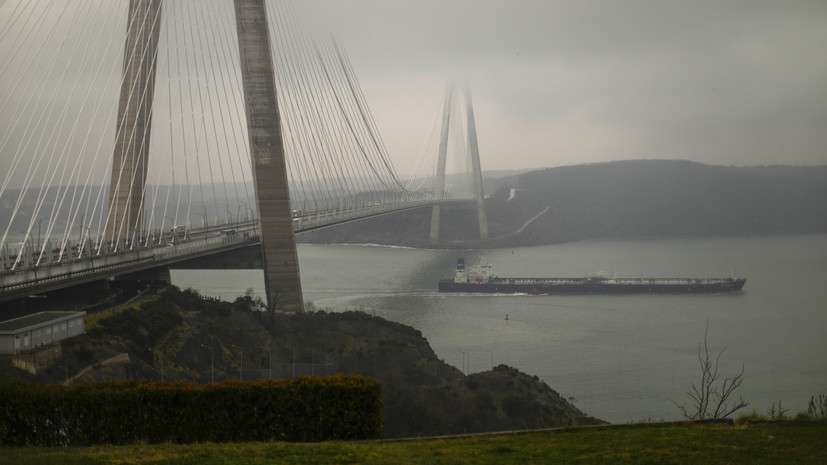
<point x="622" y="358"/>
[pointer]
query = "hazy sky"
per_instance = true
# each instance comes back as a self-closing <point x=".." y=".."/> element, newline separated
<point x="566" y="82"/>
<point x="553" y="82"/>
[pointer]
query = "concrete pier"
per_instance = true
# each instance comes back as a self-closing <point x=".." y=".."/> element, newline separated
<point x="278" y="245"/>
<point x="475" y="165"/>
<point x="439" y="182"/>
<point x="129" y="161"/>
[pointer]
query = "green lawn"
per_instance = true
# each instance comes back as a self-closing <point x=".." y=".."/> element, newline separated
<point x="802" y="442"/>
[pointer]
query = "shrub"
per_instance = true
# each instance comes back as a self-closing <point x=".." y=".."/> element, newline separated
<point x="302" y="409"/>
<point x="713" y="397"/>
<point x="516" y="406"/>
<point x="817" y="408"/>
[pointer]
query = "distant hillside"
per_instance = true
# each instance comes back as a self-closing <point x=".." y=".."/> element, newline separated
<point x="669" y="198"/>
<point x="627" y="199"/>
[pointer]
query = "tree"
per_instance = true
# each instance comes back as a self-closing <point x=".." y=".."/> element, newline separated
<point x="712" y="397"/>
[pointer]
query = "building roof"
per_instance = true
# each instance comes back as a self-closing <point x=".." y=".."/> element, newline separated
<point x="36" y="320"/>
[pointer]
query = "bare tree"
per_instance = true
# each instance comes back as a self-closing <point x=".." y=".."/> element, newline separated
<point x="712" y="397"/>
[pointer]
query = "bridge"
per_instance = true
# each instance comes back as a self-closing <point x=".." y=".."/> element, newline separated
<point x="217" y="127"/>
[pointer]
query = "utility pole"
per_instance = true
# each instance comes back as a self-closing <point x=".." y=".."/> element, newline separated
<point x="241" y="362"/>
<point x="212" y="363"/>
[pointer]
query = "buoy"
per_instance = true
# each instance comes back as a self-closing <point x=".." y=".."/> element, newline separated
<point x="506" y="317"/>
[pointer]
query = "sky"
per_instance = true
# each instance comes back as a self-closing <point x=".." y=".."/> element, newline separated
<point x="554" y="83"/>
<point x="569" y="82"/>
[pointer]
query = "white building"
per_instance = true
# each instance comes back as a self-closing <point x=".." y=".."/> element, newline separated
<point x="32" y="331"/>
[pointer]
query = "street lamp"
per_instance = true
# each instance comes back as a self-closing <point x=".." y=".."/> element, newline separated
<point x="241" y="362"/>
<point x="229" y="216"/>
<point x="212" y="363"/>
<point x="39" y="221"/>
<point x="205" y="215"/>
<point x="160" y="361"/>
<point x="172" y="222"/>
<point x="246" y="211"/>
<point x="492" y="357"/>
<point x="65" y="367"/>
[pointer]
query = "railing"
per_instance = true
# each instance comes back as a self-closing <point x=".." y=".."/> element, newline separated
<point x="306" y="222"/>
<point x="195" y="242"/>
<point x="142" y="258"/>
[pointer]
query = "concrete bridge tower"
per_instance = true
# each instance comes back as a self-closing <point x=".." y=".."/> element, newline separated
<point x="129" y="160"/>
<point x="473" y="148"/>
<point x="439" y="181"/>
<point x="278" y="244"/>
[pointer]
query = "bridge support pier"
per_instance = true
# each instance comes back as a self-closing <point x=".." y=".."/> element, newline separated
<point x="439" y="182"/>
<point x="129" y="161"/>
<point x="475" y="165"/>
<point x="278" y="244"/>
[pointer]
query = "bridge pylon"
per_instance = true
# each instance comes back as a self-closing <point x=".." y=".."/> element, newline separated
<point x="130" y="156"/>
<point x="439" y="181"/>
<point x="278" y="244"/>
<point x="129" y="167"/>
<point x="473" y="148"/>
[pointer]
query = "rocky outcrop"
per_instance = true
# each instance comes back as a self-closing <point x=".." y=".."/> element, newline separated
<point x="185" y="337"/>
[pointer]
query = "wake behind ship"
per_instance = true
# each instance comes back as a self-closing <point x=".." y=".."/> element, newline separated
<point x="480" y="280"/>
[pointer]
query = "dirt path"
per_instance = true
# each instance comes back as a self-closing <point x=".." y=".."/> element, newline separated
<point x="524" y="225"/>
<point x="120" y="358"/>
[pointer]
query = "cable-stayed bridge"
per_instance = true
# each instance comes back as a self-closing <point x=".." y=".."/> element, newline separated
<point x="141" y="134"/>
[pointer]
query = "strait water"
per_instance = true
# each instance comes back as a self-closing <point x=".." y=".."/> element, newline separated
<point x="621" y="358"/>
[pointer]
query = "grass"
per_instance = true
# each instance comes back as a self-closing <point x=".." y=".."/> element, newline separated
<point x="92" y="319"/>
<point x="672" y="443"/>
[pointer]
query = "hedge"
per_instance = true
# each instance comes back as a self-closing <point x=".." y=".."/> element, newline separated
<point x="300" y="409"/>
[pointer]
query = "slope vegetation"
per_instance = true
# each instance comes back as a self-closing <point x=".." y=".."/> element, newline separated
<point x="184" y="337"/>
<point x="628" y="199"/>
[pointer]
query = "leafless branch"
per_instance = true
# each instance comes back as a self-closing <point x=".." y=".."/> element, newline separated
<point x="707" y="393"/>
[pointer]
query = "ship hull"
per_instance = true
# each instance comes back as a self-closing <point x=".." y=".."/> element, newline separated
<point x="592" y="286"/>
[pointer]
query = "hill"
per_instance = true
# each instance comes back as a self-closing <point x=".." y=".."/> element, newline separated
<point x="626" y="199"/>
<point x="184" y="337"/>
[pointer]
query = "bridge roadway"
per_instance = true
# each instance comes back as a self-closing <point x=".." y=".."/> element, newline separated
<point x="198" y="243"/>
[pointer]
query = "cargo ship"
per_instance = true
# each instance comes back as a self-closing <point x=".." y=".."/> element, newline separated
<point x="479" y="279"/>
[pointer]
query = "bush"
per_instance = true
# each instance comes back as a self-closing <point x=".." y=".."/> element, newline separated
<point x="302" y="409"/>
<point x="818" y="407"/>
<point x="713" y="397"/>
<point x="144" y="325"/>
<point x="516" y="406"/>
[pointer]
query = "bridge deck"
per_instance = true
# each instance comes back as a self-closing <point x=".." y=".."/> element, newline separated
<point x="199" y="242"/>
